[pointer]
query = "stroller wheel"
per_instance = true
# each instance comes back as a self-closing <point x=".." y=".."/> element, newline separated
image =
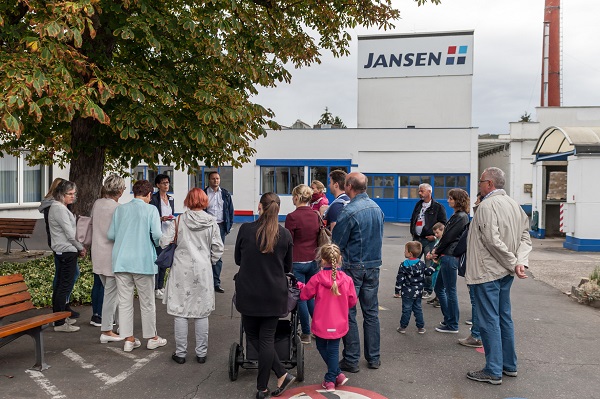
<point x="299" y="360"/>
<point x="233" y="364"/>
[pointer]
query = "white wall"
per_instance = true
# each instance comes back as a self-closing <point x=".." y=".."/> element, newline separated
<point x="567" y="116"/>
<point x="423" y="102"/>
<point x="583" y="196"/>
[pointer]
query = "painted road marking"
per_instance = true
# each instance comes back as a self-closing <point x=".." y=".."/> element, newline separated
<point x="45" y="384"/>
<point x="317" y="392"/>
<point x="105" y="378"/>
<point x="121" y="352"/>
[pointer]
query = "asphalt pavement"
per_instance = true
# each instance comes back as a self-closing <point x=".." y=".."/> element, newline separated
<point x="557" y="347"/>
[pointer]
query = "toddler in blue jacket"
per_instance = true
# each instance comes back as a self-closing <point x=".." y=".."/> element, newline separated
<point x="410" y="283"/>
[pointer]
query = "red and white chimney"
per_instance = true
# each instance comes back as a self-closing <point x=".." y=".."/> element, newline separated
<point x="551" y="90"/>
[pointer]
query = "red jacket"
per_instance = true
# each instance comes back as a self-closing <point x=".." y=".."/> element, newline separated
<point x="330" y="317"/>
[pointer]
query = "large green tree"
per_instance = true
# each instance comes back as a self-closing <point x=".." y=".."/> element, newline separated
<point x="97" y="83"/>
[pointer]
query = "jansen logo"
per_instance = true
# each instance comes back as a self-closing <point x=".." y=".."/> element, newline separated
<point x="456" y="55"/>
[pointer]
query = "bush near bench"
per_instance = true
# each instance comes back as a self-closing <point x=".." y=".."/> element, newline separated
<point x="39" y="274"/>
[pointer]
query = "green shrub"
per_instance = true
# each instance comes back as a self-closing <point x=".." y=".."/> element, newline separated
<point x="39" y="274"/>
<point x="595" y="276"/>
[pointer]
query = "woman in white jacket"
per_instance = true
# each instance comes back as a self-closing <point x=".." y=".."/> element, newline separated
<point x="189" y="292"/>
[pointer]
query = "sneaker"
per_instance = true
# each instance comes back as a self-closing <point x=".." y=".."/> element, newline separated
<point x="351" y="368"/>
<point x="397" y="296"/>
<point x="401" y="330"/>
<point x="421" y="330"/>
<point x="443" y="324"/>
<point x="482" y="376"/>
<point x="470" y="342"/>
<point x="104" y="339"/>
<point x="156" y="343"/>
<point x="66" y="328"/>
<point x="469" y="322"/>
<point x="446" y="329"/>
<point x="340" y="380"/>
<point x="426" y="295"/>
<point x="305" y="338"/>
<point x="96" y="321"/>
<point x="437" y="304"/>
<point x="509" y="373"/>
<point x="159" y="294"/>
<point x="432" y="300"/>
<point x="374" y="365"/>
<point x="70" y="321"/>
<point x="329" y="386"/>
<point x="131" y="345"/>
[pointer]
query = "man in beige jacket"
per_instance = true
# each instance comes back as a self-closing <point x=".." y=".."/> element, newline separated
<point x="498" y="247"/>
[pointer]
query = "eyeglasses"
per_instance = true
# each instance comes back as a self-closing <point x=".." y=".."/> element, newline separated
<point x="483" y="181"/>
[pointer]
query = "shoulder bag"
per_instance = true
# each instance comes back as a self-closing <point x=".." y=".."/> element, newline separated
<point x="83" y="230"/>
<point x="165" y="258"/>
<point x="324" y="233"/>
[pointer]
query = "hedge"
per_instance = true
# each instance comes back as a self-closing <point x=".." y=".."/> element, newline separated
<point x="39" y="274"/>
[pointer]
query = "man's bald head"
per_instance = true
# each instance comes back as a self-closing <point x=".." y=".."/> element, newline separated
<point x="356" y="183"/>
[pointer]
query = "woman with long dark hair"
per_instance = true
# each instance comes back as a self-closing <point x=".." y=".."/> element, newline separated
<point x="445" y="285"/>
<point x="263" y="251"/>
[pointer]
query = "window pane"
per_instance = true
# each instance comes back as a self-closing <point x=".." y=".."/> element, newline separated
<point x="139" y="173"/>
<point x="226" y="173"/>
<point x="282" y="180"/>
<point x="32" y="183"/>
<point x="415" y="180"/>
<point x="426" y="179"/>
<point x="461" y="181"/>
<point x="414" y="192"/>
<point x="404" y="180"/>
<point x="297" y="177"/>
<point x="388" y="181"/>
<point x="267" y="177"/>
<point x="450" y="181"/>
<point x="377" y="181"/>
<point x="378" y="192"/>
<point x="8" y="179"/>
<point x="388" y="192"/>
<point x="151" y="175"/>
<point x="403" y="193"/>
<point x="438" y="181"/>
<point x="196" y="179"/>
<point x="318" y="173"/>
<point x="438" y="193"/>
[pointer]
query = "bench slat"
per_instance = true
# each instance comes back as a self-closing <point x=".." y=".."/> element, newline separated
<point x="21" y="307"/>
<point x="12" y="289"/>
<point x="11" y="278"/>
<point x="33" y="322"/>
<point x="15" y="298"/>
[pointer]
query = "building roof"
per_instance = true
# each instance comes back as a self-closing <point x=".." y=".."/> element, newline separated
<point x="562" y="140"/>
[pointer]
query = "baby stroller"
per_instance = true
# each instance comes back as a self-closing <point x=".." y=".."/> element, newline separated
<point x="287" y="342"/>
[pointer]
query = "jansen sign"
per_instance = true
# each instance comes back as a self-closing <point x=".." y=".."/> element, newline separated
<point x="398" y="56"/>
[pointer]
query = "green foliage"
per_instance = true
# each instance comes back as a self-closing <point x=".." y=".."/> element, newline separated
<point x="595" y="276"/>
<point x="327" y="118"/>
<point x="526" y="117"/>
<point x="39" y="275"/>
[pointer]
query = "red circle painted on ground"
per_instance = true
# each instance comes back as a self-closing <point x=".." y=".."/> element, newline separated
<point x="315" y="392"/>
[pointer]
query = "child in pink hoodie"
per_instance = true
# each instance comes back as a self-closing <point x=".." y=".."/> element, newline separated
<point x="334" y="295"/>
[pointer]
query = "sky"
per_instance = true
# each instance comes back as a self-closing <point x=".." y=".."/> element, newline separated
<point x="507" y="62"/>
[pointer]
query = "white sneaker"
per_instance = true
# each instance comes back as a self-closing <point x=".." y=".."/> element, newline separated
<point x="129" y="346"/>
<point x="159" y="294"/>
<point x="104" y="339"/>
<point x="70" y="321"/>
<point x="66" y="328"/>
<point x="156" y="343"/>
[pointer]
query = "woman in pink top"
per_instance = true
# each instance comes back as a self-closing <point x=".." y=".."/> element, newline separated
<point x="334" y="295"/>
<point x="318" y="198"/>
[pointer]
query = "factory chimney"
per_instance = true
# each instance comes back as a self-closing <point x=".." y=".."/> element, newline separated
<point x="551" y="87"/>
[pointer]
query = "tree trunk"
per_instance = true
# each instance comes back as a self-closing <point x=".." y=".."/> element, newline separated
<point x="87" y="165"/>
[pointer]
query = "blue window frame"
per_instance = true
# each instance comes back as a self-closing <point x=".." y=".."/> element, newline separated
<point x="280" y="179"/>
<point x="143" y="172"/>
<point x="381" y="186"/>
<point x="200" y="177"/>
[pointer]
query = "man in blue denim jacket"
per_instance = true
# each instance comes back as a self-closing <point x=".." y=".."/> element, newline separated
<point x="359" y="234"/>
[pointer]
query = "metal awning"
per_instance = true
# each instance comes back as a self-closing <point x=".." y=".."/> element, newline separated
<point x="563" y="140"/>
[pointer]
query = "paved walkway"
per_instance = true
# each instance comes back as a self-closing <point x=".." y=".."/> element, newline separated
<point x="557" y="345"/>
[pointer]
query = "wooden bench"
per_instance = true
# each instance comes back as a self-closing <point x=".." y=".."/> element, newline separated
<point x="16" y="230"/>
<point x="15" y="298"/>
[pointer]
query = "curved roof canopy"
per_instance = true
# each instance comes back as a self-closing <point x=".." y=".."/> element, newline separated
<point x="568" y="140"/>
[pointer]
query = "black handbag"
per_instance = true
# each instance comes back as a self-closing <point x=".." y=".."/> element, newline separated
<point x="165" y="258"/>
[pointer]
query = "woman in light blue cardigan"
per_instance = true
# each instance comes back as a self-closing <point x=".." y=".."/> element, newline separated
<point x="135" y="229"/>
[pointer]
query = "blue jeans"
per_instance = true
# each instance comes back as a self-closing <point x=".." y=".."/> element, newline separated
<point x="330" y="352"/>
<point x="412" y="305"/>
<point x="427" y="247"/>
<point x="366" y="282"/>
<point x="216" y="268"/>
<point x="97" y="296"/>
<point x="492" y="303"/>
<point x="303" y="272"/>
<point x="445" y="290"/>
<point x="475" y="327"/>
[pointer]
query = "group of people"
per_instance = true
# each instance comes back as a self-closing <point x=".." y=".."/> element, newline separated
<point x="491" y="249"/>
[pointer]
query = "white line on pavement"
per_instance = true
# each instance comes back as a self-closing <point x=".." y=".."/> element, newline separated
<point x="138" y="365"/>
<point x="81" y="362"/>
<point x="45" y="384"/>
<point x="121" y="352"/>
